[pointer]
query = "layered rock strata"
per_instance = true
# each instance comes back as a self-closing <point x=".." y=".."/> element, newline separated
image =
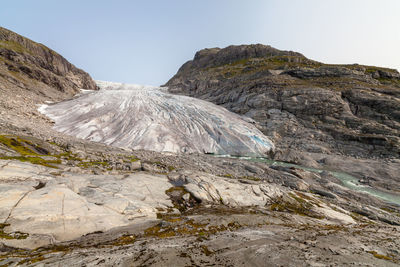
<point x="300" y="103"/>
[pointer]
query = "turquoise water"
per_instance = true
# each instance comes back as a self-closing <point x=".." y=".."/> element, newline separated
<point x="347" y="180"/>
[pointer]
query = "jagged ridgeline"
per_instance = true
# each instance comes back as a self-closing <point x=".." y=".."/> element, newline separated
<point x="144" y="117"/>
<point x="300" y="103"/>
<point x="32" y="65"/>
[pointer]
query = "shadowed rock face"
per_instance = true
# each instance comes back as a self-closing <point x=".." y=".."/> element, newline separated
<point x="300" y="103"/>
<point x="29" y="64"/>
<point x="149" y="118"/>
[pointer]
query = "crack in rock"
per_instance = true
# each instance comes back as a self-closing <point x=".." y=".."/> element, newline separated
<point x="16" y="204"/>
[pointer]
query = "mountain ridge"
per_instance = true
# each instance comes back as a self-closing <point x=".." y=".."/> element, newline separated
<point x="347" y="109"/>
<point x="37" y="62"/>
<point x="31" y="74"/>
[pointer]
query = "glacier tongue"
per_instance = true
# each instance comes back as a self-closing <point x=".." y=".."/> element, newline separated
<point x="148" y="117"/>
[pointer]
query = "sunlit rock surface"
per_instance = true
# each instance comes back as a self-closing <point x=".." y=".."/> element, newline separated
<point x="145" y="117"/>
<point x="69" y="205"/>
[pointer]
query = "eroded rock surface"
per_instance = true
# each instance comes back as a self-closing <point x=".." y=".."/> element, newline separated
<point x="299" y="103"/>
<point x="67" y="205"/>
<point x="230" y="192"/>
<point x="21" y="57"/>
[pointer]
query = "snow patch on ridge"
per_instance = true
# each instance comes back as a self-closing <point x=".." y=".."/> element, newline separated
<point x="150" y="118"/>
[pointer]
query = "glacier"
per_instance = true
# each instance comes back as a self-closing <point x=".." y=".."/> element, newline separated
<point x="149" y="118"/>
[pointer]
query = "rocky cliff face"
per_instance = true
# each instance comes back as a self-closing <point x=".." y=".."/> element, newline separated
<point x="300" y="103"/>
<point x="33" y="63"/>
<point x="30" y="74"/>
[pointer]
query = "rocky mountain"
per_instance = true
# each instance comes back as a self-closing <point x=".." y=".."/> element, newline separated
<point x="25" y="62"/>
<point x="30" y="74"/>
<point x="299" y="103"/>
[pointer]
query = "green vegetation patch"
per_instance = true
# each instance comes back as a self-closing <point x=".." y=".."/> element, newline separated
<point x="133" y="158"/>
<point x="387" y="81"/>
<point x="206" y="250"/>
<point x="37" y="255"/>
<point x="32" y="152"/>
<point x="184" y="227"/>
<point x="391" y="210"/>
<point x="380" y="256"/>
<point x="34" y="160"/>
<point x="176" y="194"/>
<point x="163" y="168"/>
<point x="28" y="151"/>
<point x="171" y="168"/>
<point x="14" y="46"/>
<point x="90" y="164"/>
<point x="251" y="178"/>
<point x="14" y="235"/>
<point x="19" y="145"/>
<point x="372" y="69"/>
<point x="32" y="260"/>
<point x="253" y="65"/>
<point x="299" y="206"/>
<point x="68" y="156"/>
<point x="124" y="240"/>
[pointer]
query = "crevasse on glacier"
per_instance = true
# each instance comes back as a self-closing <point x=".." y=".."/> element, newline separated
<point x="148" y="117"/>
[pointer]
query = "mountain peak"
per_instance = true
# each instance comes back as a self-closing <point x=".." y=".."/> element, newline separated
<point x="233" y="53"/>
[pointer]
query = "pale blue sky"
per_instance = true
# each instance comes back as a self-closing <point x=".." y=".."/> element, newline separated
<point x="145" y="42"/>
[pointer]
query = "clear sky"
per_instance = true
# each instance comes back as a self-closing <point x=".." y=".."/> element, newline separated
<point x="146" y="41"/>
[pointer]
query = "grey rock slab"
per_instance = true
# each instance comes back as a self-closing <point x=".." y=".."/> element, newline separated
<point x="137" y="193"/>
<point x="10" y="195"/>
<point x="72" y="205"/>
<point x="230" y="192"/>
<point x="62" y="213"/>
<point x="16" y="170"/>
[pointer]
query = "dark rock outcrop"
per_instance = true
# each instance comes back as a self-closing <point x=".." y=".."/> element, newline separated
<point x="300" y="103"/>
<point x="27" y="63"/>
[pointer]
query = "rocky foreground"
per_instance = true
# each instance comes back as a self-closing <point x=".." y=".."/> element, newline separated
<point x="66" y="201"/>
<point x="92" y="204"/>
<point x="117" y="208"/>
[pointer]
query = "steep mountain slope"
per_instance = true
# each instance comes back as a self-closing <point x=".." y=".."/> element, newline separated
<point x="144" y="117"/>
<point x="30" y="74"/>
<point x="300" y="103"/>
<point x="25" y="60"/>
